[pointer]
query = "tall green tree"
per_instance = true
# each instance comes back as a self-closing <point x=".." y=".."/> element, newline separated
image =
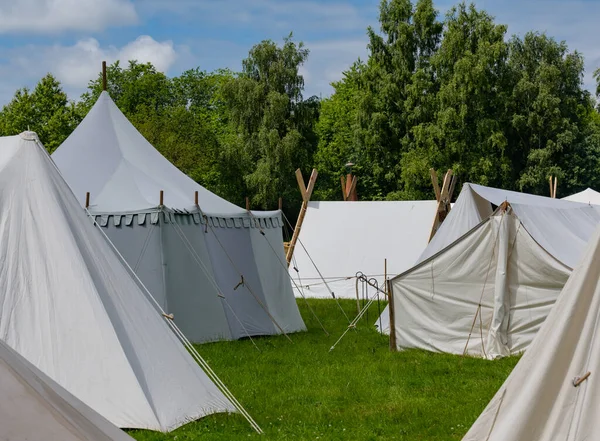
<point x="272" y="122"/>
<point x="550" y="114"/>
<point x="46" y="110"/>
<point x="396" y="87"/>
<point x="336" y="130"/>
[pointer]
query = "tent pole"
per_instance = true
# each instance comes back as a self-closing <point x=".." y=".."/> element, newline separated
<point x="280" y="203"/>
<point x="104" y="76"/>
<point x="343" y="182"/>
<point x="247" y="204"/>
<point x="196" y="198"/>
<point x="306" y="194"/>
<point x="435" y="183"/>
<point x="393" y="347"/>
<point x="555" y="184"/>
<point x="443" y="206"/>
<point x="161" y="198"/>
<point x="87" y="199"/>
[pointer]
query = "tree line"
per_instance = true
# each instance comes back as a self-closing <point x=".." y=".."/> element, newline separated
<point x="443" y="92"/>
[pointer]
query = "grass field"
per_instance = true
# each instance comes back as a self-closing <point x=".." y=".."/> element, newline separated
<point x="360" y="391"/>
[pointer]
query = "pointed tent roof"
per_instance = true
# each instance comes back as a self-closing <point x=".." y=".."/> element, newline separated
<point x="562" y="227"/>
<point x="34" y="407"/>
<point x="539" y="401"/>
<point x="107" y="157"/>
<point x="69" y="306"/>
<point x="587" y="196"/>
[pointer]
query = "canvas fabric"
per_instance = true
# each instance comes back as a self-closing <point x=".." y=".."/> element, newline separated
<point x="71" y="308"/>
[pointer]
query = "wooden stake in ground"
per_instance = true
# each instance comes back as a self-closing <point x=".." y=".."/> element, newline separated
<point x="306" y="192"/>
<point x="443" y="198"/>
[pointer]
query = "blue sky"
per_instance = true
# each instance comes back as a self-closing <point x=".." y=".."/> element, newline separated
<point x="71" y="37"/>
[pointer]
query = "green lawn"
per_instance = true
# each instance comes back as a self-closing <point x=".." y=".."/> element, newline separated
<point x="360" y="391"/>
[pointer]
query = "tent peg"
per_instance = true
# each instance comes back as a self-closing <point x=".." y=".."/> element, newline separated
<point x="578" y="380"/>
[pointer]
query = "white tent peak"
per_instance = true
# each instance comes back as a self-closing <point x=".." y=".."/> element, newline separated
<point x="540" y="400"/>
<point x="34" y="407"/>
<point x="587" y="196"/>
<point x="123" y="172"/>
<point x="71" y="307"/>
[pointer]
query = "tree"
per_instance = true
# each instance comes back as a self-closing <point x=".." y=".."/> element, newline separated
<point x="549" y="114"/>
<point x="336" y="130"/>
<point x="271" y="123"/>
<point x="396" y="89"/>
<point x="46" y="111"/>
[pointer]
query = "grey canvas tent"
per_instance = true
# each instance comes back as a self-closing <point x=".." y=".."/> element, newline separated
<point x="219" y="269"/>
<point x="34" y="407"/>
<point x="72" y="308"/>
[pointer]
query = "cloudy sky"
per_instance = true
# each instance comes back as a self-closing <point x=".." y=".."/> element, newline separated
<point x="70" y="38"/>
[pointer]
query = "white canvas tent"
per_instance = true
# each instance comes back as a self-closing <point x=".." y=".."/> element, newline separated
<point x="552" y="394"/>
<point x="587" y="196"/>
<point x="219" y="269"/>
<point x="339" y="239"/>
<point x="71" y="308"/>
<point x="488" y="279"/>
<point x="33" y="407"/>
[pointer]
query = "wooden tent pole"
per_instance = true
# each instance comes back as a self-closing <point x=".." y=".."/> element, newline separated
<point x="280" y="205"/>
<point x="550" y="182"/>
<point x="436" y="185"/>
<point x="393" y="347"/>
<point x="247" y="204"/>
<point x="104" y="75"/>
<point x="555" y="184"/>
<point x="161" y="198"/>
<point x="87" y="199"/>
<point x="443" y="206"/>
<point x="343" y="181"/>
<point x="306" y="194"/>
<point x="196" y="198"/>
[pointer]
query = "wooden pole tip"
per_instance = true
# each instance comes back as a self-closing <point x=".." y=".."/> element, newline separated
<point x="162" y="194"/>
<point x="196" y="198"/>
<point x="247" y="204"/>
<point x="87" y="199"/>
<point x="104" y="75"/>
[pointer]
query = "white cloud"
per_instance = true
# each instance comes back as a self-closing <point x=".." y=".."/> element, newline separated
<point x="76" y="65"/>
<point x="47" y="16"/>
